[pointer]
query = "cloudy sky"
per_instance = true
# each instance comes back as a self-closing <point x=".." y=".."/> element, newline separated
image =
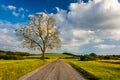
<point x="85" y="26"/>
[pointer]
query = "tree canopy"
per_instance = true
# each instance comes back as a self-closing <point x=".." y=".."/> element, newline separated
<point x="40" y="33"/>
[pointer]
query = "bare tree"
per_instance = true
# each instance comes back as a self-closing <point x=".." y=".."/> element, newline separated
<point x="40" y="33"/>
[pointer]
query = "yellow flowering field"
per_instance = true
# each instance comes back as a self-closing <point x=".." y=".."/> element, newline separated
<point x="13" y="69"/>
<point x="101" y="70"/>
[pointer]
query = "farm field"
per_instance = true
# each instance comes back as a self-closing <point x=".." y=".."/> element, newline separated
<point x="49" y="56"/>
<point x="13" y="69"/>
<point x="101" y="70"/>
<point x="56" y="55"/>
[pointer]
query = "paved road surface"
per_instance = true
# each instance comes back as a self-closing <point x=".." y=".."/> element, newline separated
<point x="57" y="70"/>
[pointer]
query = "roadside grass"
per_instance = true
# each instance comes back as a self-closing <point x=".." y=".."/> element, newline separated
<point x="98" y="70"/>
<point x="13" y="69"/>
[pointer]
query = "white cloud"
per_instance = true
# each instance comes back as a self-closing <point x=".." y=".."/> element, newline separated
<point x="4" y="30"/>
<point x="99" y="16"/>
<point x="15" y="14"/>
<point x="86" y="23"/>
<point x="30" y="15"/>
<point x="11" y="7"/>
<point x="21" y="9"/>
<point x="89" y="23"/>
<point x="15" y="10"/>
<point x="8" y="39"/>
<point x="105" y="46"/>
<point x="58" y="9"/>
<point x="97" y="40"/>
<point x="91" y="15"/>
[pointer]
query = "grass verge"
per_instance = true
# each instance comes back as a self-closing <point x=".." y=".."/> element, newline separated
<point x="97" y="70"/>
<point x="13" y="69"/>
<point x="85" y="73"/>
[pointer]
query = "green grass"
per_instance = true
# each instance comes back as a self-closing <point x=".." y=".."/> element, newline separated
<point x="13" y="69"/>
<point x="110" y="61"/>
<point x="49" y="55"/>
<point x="55" y="55"/>
<point x="98" y="69"/>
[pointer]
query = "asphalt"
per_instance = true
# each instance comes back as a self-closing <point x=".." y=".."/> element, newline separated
<point x="57" y="70"/>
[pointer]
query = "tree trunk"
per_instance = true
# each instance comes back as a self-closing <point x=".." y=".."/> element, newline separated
<point x="43" y="55"/>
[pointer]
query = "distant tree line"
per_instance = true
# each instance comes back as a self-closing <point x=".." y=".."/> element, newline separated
<point x="12" y="55"/>
<point x="92" y="56"/>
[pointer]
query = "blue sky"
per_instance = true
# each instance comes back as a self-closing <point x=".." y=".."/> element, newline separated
<point x="32" y="7"/>
<point x="85" y="26"/>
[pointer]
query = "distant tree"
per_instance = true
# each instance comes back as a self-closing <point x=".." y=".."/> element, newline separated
<point x="93" y="54"/>
<point x="40" y="33"/>
<point x="87" y="57"/>
<point x="69" y="54"/>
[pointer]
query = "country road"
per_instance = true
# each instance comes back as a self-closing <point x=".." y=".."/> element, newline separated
<point x="57" y="70"/>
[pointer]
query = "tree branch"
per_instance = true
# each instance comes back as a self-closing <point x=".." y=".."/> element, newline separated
<point x="34" y="42"/>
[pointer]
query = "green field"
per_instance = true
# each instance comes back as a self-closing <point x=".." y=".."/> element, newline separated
<point x="101" y="70"/>
<point x="56" y="55"/>
<point x="13" y="69"/>
<point x="49" y="56"/>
